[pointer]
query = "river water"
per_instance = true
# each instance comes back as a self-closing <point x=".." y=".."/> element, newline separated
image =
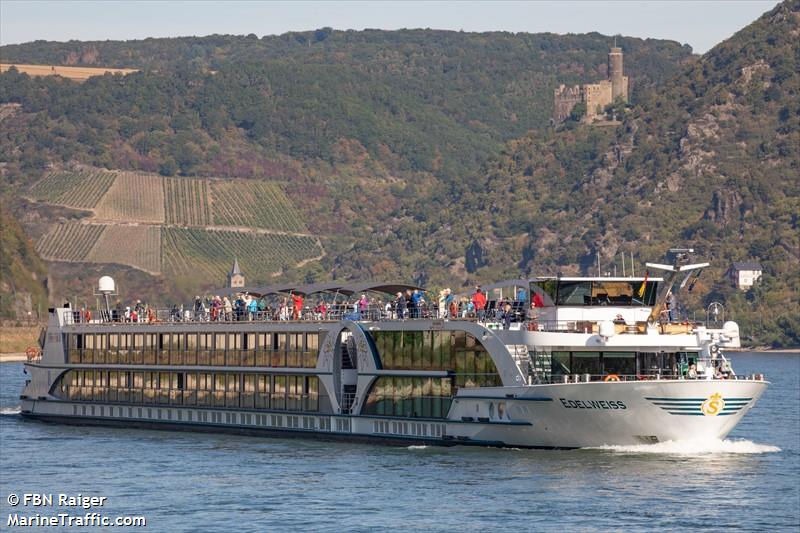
<point x="182" y="481"/>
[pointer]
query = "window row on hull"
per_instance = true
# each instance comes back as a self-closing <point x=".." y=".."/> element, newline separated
<point x="217" y="389"/>
<point x="293" y="350"/>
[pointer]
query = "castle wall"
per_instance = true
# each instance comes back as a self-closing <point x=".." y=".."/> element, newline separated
<point x="564" y="99"/>
<point x="596" y="95"/>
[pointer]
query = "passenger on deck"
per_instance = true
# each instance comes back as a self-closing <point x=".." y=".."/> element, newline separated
<point x="252" y="307"/>
<point x="283" y="309"/>
<point x="198" y="308"/>
<point x="522" y="295"/>
<point x="363" y="307"/>
<point x="401" y="306"/>
<point x="692" y="374"/>
<point x="416" y="304"/>
<point x="507" y="316"/>
<point x="442" y="303"/>
<point x="227" y="308"/>
<point x="479" y="301"/>
<point x="449" y="301"/>
<point x="297" y="306"/>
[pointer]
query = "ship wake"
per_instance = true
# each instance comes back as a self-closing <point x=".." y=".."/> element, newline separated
<point x="10" y="411"/>
<point x="693" y="447"/>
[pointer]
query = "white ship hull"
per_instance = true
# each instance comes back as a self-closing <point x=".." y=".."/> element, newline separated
<point x="541" y="416"/>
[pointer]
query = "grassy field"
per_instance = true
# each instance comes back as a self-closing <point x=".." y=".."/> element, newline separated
<point x="17" y="339"/>
<point x="136" y="246"/>
<point x="73" y="73"/>
<point x="134" y="197"/>
<point x="70" y="241"/>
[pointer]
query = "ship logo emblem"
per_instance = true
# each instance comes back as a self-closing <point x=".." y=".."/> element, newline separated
<point x="713" y="405"/>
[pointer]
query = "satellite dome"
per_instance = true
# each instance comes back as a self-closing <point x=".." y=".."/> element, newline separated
<point x="106" y="285"/>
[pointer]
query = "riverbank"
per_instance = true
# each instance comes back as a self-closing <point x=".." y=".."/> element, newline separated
<point x="16" y="339"/>
<point x="13" y="357"/>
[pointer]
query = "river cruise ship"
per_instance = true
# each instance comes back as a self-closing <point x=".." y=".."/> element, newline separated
<point x="578" y="362"/>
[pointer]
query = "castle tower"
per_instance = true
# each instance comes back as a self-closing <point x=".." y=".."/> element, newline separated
<point x="618" y="88"/>
<point x="235" y="276"/>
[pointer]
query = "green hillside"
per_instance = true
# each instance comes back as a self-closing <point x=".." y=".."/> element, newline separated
<point x="415" y="100"/>
<point x="23" y="275"/>
<point x="710" y="160"/>
<point x="428" y="155"/>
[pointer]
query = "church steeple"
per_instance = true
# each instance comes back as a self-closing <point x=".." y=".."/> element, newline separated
<point x="235" y="276"/>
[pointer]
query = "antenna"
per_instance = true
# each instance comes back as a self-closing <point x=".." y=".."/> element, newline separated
<point x="105" y="288"/>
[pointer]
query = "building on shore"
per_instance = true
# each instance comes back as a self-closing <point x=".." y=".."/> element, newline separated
<point x="745" y="275"/>
<point x="596" y="95"/>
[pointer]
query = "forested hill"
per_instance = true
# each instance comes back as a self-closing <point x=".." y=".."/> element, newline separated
<point x="416" y="100"/>
<point x="428" y="155"/>
<point x="710" y="159"/>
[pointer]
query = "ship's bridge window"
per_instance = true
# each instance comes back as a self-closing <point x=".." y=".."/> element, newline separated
<point x="606" y="292"/>
<point x="574" y="293"/>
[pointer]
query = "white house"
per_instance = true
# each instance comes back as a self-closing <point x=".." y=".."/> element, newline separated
<point x="745" y="275"/>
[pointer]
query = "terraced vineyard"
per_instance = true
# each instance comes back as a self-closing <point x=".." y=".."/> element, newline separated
<point x="134" y="197"/>
<point x="186" y="202"/>
<point x="69" y="241"/>
<point x="167" y="225"/>
<point x="207" y="254"/>
<point x="136" y="246"/>
<point x="256" y="204"/>
<point x="82" y="189"/>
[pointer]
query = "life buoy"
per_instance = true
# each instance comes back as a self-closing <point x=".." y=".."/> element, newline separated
<point x="611" y="377"/>
<point x="32" y="353"/>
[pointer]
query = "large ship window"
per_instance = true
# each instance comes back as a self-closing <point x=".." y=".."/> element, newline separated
<point x="457" y="352"/>
<point x="620" y="363"/>
<point x="586" y="362"/>
<point x="574" y="293"/>
<point x="560" y="363"/>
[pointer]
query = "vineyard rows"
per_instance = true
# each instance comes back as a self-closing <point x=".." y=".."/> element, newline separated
<point x="254" y="204"/>
<point x="82" y="189"/>
<point x="69" y="241"/>
<point x="136" y="246"/>
<point x="186" y="202"/>
<point x="135" y="196"/>
<point x="207" y="254"/>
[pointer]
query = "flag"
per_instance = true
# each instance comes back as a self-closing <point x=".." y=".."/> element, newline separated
<point x="644" y="284"/>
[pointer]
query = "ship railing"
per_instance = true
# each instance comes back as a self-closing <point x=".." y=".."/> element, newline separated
<point x="331" y="313"/>
<point x="334" y="312"/>
<point x="650" y="376"/>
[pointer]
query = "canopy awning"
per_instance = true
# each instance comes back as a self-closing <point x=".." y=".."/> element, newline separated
<point x="378" y="286"/>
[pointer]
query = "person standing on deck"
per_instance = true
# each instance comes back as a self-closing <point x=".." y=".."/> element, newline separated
<point x="507" y="316"/>
<point x="363" y="307"/>
<point x="297" y="306"/>
<point x="479" y="301"/>
<point x="400" y="306"/>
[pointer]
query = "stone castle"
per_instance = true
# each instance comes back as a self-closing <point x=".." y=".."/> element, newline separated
<point x="597" y="95"/>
